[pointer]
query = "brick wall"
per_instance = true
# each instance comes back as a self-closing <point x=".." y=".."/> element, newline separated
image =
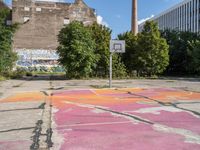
<point x="2" y="5"/>
<point x="40" y="22"/>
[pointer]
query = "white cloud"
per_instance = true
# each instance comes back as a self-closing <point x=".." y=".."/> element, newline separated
<point x="101" y="21"/>
<point x="145" y="19"/>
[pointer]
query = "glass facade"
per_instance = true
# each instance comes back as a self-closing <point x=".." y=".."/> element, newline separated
<point x="184" y="16"/>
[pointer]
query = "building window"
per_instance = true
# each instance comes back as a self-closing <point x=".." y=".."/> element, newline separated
<point x="66" y="21"/>
<point x="38" y="9"/>
<point x="26" y="9"/>
<point x="8" y="22"/>
<point x="87" y="23"/>
<point x="26" y="19"/>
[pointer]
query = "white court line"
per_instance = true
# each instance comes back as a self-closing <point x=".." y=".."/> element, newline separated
<point x="94" y="92"/>
<point x="94" y="124"/>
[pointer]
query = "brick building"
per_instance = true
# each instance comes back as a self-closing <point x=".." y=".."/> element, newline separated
<point x="40" y="22"/>
<point x="8" y="19"/>
<point x="2" y="5"/>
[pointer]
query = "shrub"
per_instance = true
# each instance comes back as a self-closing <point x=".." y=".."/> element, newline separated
<point x="18" y="73"/>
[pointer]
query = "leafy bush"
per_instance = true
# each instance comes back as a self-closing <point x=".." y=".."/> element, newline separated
<point x="18" y="73"/>
<point x="2" y="78"/>
<point x="129" y="58"/>
<point x="182" y="52"/>
<point x="76" y="50"/>
<point x="152" y="51"/>
<point x="7" y="56"/>
<point x="194" y="53"/>
<point x="84" y="51"/>
<point x="102" y="36"/>
<point x="29" y="74"/>
<point x="146" y="53"/>
<point x="119" y="69"/>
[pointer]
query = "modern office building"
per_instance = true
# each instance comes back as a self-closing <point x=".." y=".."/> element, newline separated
<point x="184" y="16"/>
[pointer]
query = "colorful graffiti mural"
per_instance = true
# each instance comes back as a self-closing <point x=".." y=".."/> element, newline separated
<point x="37" y="58"/>
<point x="121" y="119"/>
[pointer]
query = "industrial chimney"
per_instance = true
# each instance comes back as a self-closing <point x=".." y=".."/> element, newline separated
<point x="134" y="26"/>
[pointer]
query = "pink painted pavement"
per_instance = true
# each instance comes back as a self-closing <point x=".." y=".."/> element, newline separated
<point x="139" y="119"/>
<point x="119" y="119"/>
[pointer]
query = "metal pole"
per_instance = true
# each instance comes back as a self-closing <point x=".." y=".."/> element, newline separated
<point x="134" y="26"/>
<point x="110" y="79"/>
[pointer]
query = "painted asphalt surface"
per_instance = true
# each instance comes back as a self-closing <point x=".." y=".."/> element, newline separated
<point x="117" y="119"/>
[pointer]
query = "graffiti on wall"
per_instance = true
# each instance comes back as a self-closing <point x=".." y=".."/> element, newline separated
<point x="37" y="58"/>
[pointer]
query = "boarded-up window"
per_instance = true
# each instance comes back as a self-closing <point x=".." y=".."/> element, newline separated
<point x="66" y="21"/>
<point x="26" y="19"/>
<point x="38" y="9"/>
<point x="26" y="9"/>
<point x="86" y="23"/>
<point x="8" y="22"/>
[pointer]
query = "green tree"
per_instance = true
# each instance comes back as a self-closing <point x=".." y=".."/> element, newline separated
<point x="129" y="58"/>
<point x="152" y="50"/>
<point x="102" y="35"/>
<point x="194" y="53"/>
<point x="179" y="51"/>
<point x="7" y="56"/>
<point x="119" y="69"/>
<point x="76" y="50"/>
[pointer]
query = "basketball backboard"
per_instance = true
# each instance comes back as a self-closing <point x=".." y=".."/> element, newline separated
<point x="117" y="46"/>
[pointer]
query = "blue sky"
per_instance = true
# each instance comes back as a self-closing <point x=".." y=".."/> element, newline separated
<point x="117" y="13"/>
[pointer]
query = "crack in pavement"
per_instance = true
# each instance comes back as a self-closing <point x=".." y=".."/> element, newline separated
<point x="164" y="103"/>
<point x="190" y="136"/>
<point x="36" y="136"/>
<point x="43" y="140"/>
<point x="23" y="109"/>
<point x="186" y="103"/>
<point x="18" y="129"/>
<point x="45" y="93"/>
<point x="126" y="114"/>
<point x="43" y="132"/>
<point x="49" y="138"/>
<point x="18" y="85"/>
<point x="188" y="110"/>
